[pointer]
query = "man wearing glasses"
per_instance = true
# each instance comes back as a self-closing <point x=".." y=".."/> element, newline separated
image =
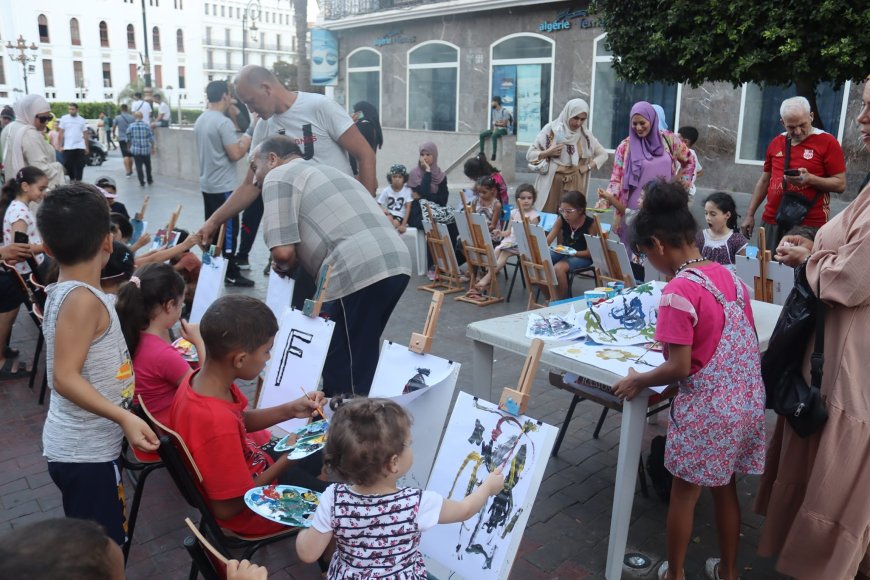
<point x="815" y="167"/>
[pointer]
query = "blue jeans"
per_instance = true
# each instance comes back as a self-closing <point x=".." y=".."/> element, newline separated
<point x="360" y="319"/>
<point x="574" y="263"/>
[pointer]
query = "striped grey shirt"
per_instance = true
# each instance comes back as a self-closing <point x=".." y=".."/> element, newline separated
<point x="334" y="220"/>
<point x="71" y="434"/>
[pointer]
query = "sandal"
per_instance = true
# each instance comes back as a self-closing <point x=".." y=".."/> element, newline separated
<point x="475" y="295"/>
<point x="663" y="571"/>
<point x="6" y="373"/>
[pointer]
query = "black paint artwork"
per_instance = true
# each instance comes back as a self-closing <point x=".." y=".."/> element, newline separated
<point x="289" y="349"/>
<point x="417" y="382"/>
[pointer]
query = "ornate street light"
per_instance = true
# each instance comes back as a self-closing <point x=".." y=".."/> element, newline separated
<point x="25" y="55"/>
<point x="252" y="12"/>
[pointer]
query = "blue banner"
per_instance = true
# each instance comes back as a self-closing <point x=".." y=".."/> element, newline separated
<point x="324" y="58"/>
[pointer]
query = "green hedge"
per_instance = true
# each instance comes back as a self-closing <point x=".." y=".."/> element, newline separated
<point x="86" y="110"/>
<point x="187" y="116"/>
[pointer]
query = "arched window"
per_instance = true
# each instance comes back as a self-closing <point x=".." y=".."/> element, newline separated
<point x="74" y="36"/>
<point x="42" y="21"/>
<point x="522" y="75"/>
<point x="759" y="120"/>
<point x="179" y="41"/>
<point x="433" y="86"/>
<point x="364" y="77"/>
<point x="131" y="36"/>
<point x="612" y="99"/>
<point x="104" y="34"/>
<point x="155" y="38"/>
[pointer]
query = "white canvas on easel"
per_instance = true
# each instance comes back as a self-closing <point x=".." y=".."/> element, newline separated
<point x="298" y="355"/>
<point x="210" y="285"/>
<point x="747" y="270"/>
<point x="462" y="228"/>
<point x="618" y="249"/>
<point x="397" y="368"/>
<point x="782" y="277"/>
<point x="478" y="219"/>
<point x="279" y="293"/>
<point x="524" y="246"/>
<point x="478" y="439"/>
<point x="596" y="251"/>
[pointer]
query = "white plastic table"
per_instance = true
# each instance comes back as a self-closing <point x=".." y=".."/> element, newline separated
<point x="509" y="333"/>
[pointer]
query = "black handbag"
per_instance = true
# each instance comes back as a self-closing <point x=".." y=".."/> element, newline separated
<point x="794" y="206"/>
<point x="788" y="394"/>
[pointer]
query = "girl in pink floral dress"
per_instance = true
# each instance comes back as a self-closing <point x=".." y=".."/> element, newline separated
<point x="717" y="418"/>
<point x="377" y="525"/>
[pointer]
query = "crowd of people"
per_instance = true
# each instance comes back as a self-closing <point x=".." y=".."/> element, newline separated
<point x="110" y="311"/>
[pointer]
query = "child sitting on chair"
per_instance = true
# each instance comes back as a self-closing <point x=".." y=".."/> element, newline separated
<point x="211" y="415"/>
<point x="486" y="202"/>
<point x="395" y="199"/>
<point x="525" y="197"/>
<point x="571" y="253"/>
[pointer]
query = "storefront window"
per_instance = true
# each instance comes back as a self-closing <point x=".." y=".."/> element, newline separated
<point x="613" y="98"/>
<point x="433" y="82"/>
<point x="522" y="75"/>
<point x="760" y="121"/>
<point x="364" y="77"/>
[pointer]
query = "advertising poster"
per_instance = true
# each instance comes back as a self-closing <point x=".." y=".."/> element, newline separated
<point x="324" y="58"/>
<point x="528" y="117"/>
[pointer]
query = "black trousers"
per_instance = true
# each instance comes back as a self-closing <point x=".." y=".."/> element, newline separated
<point x="141" y="160"/>
<point x="74" y="161"/>
<point x="250" y="224"/>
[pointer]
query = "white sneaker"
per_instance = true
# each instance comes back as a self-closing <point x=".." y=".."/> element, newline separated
<point x="712" y="568"/>
<point x="663" y="571"/>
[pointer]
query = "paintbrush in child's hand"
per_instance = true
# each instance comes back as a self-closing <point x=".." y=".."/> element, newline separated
<point x="318" y="409"/>
<point x="644" y="353"/>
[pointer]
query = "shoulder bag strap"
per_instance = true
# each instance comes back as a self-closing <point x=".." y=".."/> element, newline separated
<point x="817" y="359"/>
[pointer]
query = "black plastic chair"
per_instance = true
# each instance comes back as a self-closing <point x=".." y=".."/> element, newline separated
<point x="211" y="564"/>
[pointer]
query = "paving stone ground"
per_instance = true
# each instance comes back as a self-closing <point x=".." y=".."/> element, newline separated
<point x="568" y="528"/>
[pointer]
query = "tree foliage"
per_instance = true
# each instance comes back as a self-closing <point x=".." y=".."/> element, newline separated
<point x="739" y="41"/>
<point x="287" y="73"/>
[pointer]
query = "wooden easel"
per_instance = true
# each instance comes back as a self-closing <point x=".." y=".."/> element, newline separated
<point x="421" y="343"/>
<point x="312" y="306"/>
<point x="140" y="215"/>
<point x="614" y="269"/>
<point x="480" y="256"/>
<point x="515" y="401"/>
<point x="216" y="250"/>
<point x="444" y="259"/>
<point x="763" y="284"/>
<point x="535" y="271"/>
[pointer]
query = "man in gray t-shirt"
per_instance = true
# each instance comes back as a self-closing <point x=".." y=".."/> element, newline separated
<point x="219" y="147"/>
<point x="122" y="121"/>
<point x="501" y="122"/>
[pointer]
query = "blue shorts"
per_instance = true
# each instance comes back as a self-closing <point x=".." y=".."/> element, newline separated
<point x="93" y="491"/>
<point x="574" y="263"/>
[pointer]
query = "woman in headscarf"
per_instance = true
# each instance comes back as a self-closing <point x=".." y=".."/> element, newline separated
<point x="429" y="184"/>
<point x="365" y="117"/>
<point x="23" y="141"/>
<point x="572" y="151"/>
<point x="648" y="153"/>
<point x="663" y="120"/>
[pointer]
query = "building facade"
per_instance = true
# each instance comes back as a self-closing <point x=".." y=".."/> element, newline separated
<point x="435" y="66"/>
<point x="90" y="51"/>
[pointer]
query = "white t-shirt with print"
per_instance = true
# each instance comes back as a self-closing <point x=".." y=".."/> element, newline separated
<point x="18" y="211"/>
<point x="316" y="123"/>
<point x="395" y="201"/>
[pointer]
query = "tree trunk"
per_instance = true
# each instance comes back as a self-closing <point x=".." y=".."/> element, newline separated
<point x="808" y="90"/>
<point x="303" y="67"/>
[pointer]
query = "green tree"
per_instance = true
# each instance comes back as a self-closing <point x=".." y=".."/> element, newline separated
<point x="138" y="86"/>
<point x="287" y="73"/>
<point x="739" y="41"/>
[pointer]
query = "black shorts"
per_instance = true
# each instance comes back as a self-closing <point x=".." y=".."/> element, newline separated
<point x="125" y="151"/>
<point x="93" y="491"/>
<point x="11" y="294"/>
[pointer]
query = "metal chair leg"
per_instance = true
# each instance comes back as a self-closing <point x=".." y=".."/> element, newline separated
<point x="564" y="427"/>
<point x="600" y="422"/>
<point x="641" y="475"/>
<point x="35" y="364"/>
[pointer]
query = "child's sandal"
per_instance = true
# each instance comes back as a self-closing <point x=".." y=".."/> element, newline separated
<point x="712" y="568"/>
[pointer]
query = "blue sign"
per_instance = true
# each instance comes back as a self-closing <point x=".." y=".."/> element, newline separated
<point x="394" y="37"/>
<point x="324" y="58"/>
<point x="563" y="21"/>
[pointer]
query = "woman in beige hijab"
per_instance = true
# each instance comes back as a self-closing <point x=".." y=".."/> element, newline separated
<point x="572" y="153"/>
<point x="23" y="141"/>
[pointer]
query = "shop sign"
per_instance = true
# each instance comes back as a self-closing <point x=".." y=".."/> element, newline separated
<point x="563" y="21"/>
<point x="394" y="37"/>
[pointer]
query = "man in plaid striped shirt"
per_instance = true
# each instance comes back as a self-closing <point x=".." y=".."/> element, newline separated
<point x="140" y="142"/>
<point x="319" y="216"/>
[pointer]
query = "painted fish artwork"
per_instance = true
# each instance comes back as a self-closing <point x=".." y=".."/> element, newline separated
<point x="616" y="359"/>
<point x="567" y="326"/>
<point x="285" y="504"/>
<point x="628" y="318"/>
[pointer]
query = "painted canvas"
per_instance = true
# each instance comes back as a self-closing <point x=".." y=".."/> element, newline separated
<point x="279" y="293"/>
<point x="627" y="319"/>
<point x="423" y="384"/>
<point x="554" y="326"/>
<point x="480" y="438"/>
<point x="297" y="361"/>
<point x="615" y="358"/>
<point x="210" y="285"/>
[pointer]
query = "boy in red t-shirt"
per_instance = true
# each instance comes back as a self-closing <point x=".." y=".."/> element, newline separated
<point x="212" y="416"/>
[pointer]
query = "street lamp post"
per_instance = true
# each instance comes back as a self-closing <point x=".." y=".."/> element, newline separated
<point x="26" y="55"/>
<point x="146" y="62"/>
<point x="254" y="15"/>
